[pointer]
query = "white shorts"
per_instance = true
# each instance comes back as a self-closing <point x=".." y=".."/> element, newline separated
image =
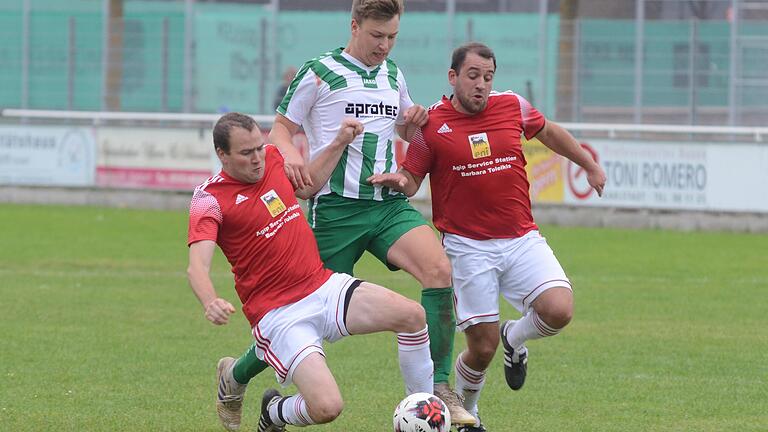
<point x="520" y="269"/>
<point x="288" y="334"/>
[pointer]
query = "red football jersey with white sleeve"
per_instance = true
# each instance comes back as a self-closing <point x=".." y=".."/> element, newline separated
<point x="476" y="165"/>
<point x="264" y="235"/>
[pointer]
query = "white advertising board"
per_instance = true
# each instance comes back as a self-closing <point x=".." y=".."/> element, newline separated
<point x="154" y="158"/>
<point x="669" y="175"/>
<point x="47" y="156"/>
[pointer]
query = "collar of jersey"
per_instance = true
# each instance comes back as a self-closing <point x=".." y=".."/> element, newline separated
<point x="358" y="63"/>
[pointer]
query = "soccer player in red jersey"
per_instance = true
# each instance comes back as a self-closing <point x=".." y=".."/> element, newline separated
<point x="292" y="302"/>
<point x="471" y="148"/>
<point x="348" y="215"/>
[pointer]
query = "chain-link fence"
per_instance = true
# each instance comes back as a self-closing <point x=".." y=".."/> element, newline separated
<point x="631" y="61"/>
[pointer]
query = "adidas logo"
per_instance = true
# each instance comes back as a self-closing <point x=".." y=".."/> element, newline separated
<point x="444" y="129"/>
<point x="240" y="198"/>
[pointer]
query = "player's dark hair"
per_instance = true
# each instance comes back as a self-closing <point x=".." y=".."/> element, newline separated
<point x="225" y="124"/>
<point x="383" y="10"/>
<point x="460" y="54"/>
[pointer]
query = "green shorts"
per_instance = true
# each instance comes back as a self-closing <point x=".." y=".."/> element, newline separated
<point x="346" y="227"/>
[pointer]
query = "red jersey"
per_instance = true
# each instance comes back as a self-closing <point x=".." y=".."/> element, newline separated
<point x="477" y="172"/>
<point x="263" y="234"/>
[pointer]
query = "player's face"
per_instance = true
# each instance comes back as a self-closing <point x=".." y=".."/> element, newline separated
<point x="472" y="84"/>
<point x="372" y="39"/>
<point x="245" y="160"/>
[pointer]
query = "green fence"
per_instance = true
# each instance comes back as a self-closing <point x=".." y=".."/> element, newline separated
<point x="237" y="57"/>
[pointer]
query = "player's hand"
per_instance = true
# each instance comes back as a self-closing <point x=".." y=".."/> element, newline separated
<point x="349" y="130"/>
<point x="296" y="170"/>
<point x="218" y="311"/>
<point x="394" y="181"/>
<point x="596" y="178"/>
<point x="416" y="115"/>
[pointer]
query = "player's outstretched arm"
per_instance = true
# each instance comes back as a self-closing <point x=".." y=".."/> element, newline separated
<point x="415" y="116"/>
<point x="281" y="136"/>
<point x="322" y="165"/>
<point x="217" y="310"/>
<point x="563" y="143"/>
<point x="401" y="181"/>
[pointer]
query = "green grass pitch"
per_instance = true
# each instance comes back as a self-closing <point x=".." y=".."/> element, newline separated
<point x="100" y="332"/>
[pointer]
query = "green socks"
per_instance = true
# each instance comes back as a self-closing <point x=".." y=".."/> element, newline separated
<point x="248" y="366"/>
<point x="438" y="303"/>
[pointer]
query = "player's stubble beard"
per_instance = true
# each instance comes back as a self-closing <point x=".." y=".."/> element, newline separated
<point x="468" y="103"/>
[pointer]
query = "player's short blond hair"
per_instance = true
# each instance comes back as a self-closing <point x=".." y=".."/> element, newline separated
<point x="383" y="10"/>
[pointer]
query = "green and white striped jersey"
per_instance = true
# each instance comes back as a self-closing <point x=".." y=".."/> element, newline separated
<point x="334" y="86"/>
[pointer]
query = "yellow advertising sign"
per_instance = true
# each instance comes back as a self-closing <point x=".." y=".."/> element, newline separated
<point x="545" y="172"/>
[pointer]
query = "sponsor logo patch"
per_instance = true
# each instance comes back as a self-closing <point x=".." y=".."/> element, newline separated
<point x="273" y="202"/>
<point x="480" y="145"/>
<point x="371" y="110"/>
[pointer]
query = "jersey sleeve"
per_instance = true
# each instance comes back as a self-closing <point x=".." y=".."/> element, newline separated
<point x="418" y="158"/>
<point x="405" y="98"/>
<point x="301" y="95"/>
<point x="272" y="151"/>
<point x="533" y="120"/>
<point x="204" y="217"/>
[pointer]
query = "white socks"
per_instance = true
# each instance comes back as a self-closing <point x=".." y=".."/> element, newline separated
<point x="415" y="361"/>
<point x="469" y="383"/>
<point x="291" y="410"/>
<point x="528" y="327"/>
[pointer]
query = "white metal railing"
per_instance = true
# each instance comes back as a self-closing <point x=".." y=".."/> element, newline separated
<point x="756" y="132"/>
<point x="97" y="116"/>
<point x="610" y="128"/>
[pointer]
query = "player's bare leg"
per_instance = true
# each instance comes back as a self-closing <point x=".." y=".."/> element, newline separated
<point x="482" y="341"/>
<point x="373" y="308"/>
<point x="419" y="253"/>
<point x="318" y="400"/>
<point x="551" y="311"/>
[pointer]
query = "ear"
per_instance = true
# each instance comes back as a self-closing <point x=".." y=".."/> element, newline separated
<point x="220" y="153"/>
<point x="355" y="27"/>
<point x="452" y="77"/>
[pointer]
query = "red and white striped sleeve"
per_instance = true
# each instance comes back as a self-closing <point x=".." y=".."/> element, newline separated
<point x="418" y="159"/>
<point x="533" y="120"/>
<point x="204" y="217"/>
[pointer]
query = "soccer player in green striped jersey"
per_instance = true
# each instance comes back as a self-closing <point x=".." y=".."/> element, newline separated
<point x="347" y="213"/>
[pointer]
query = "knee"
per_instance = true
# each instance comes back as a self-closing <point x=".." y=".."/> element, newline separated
<point x="437" y="272"/>
<point x="555" y="307"/>
<point x="482" y="342"/>
<point x="326" y="410"/>
<point x="443" y="270"/>
<point x="557" y="317"/>
<point x="412" y="319"/>
<point x="484" y="353"/>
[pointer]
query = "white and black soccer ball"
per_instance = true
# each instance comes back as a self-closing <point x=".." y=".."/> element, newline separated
<point x="422" y="412"/>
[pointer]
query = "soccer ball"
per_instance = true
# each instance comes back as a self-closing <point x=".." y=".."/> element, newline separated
<point x="422" y="412"/>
